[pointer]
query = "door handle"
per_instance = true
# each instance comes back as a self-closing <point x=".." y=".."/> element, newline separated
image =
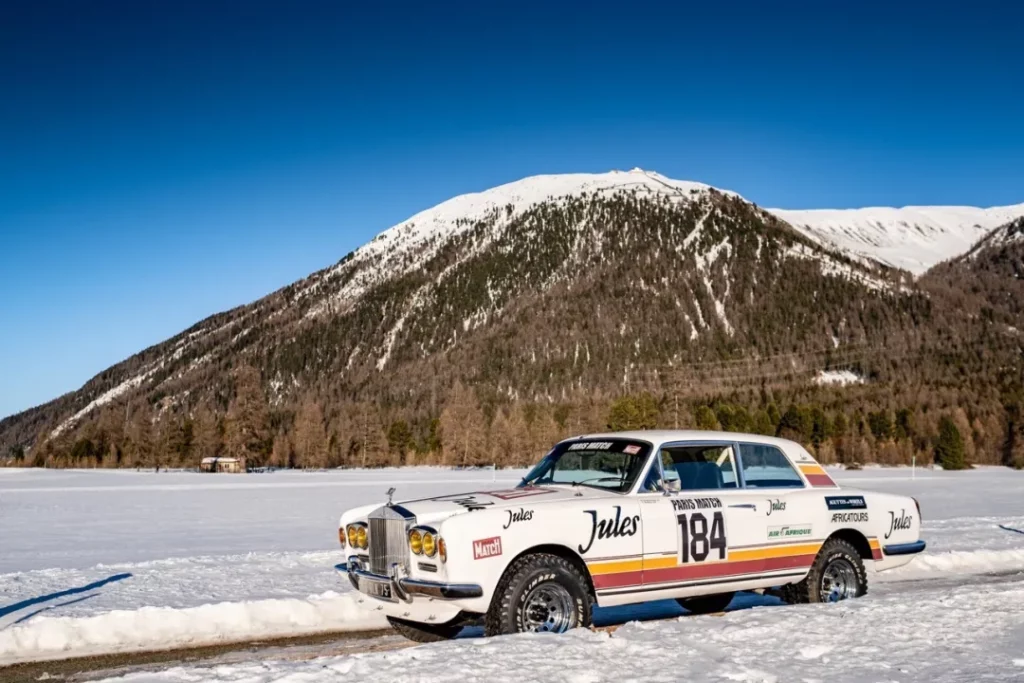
<point x="748" y="506"/>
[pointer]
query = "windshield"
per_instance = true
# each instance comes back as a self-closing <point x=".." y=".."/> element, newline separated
<point x="609" y="464"/>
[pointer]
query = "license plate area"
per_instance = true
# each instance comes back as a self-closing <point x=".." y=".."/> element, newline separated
<point x="375" y="588"/>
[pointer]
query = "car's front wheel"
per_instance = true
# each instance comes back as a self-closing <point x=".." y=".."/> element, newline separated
<point x="425" y="633"/>
<point x="837" y="574"/>
<point x="539" y="592"/>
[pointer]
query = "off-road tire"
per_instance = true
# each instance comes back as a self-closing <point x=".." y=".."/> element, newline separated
<point x="505" y="614"/>
<point x="706" y="604"/>
<point x="425" y="633"/>
<point x="809" y="590"/>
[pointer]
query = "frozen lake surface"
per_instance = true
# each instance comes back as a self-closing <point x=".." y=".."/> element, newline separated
<point x="98" y="561"/>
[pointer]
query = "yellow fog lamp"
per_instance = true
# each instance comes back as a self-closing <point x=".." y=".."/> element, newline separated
<point x="352" y="536"/>
<point x="429" y="546"/>
<point x="361" y="537"/>
<point x="416" y="542"/>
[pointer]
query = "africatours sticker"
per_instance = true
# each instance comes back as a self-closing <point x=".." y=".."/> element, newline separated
<point x="487" y="547"/>
<point x="778" y="533"/>
<point x="517" y="516"/>
<point x="683" y="504"/>
<point x="901" y="523"/>
<point x="846" y="503"/>
<point x="849" y="517"/>
<point x="776" y="506"/>
<point x="616" y="527"/>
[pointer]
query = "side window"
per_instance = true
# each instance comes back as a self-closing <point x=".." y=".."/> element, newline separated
<point x="699" y="468"/>
<point x="767" y="467"/>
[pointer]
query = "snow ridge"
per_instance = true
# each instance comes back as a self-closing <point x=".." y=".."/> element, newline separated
<point x="913" y="238"/>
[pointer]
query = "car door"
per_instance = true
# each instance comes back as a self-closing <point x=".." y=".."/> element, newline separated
<point x="790" y="540"/>
<point x="702" y="525"/>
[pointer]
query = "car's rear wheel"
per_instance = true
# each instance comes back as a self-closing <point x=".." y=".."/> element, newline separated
<point x="425" y="633"/>
<point x="837" y="574"/>
<point x="541" y="593"/>
<point x="706" y="604"/>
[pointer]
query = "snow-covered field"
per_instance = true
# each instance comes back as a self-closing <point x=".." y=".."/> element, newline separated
<point x="95" y="561"/>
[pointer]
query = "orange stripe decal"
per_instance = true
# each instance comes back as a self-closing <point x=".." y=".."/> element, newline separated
<point x="816" y="475"/>
<point x="663" y="569"/>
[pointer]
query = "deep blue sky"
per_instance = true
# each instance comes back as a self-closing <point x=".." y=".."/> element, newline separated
<point x="161" y="161"/>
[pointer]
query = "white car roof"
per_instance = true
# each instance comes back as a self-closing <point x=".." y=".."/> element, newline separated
<point x="660" y="436"/>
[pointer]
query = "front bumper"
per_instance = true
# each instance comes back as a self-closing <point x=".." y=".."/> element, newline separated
<point x="396" y="587"/>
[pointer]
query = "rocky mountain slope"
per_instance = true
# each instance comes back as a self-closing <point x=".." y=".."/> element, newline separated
<point x="988" y="280"/>
<point x="546" y="290"/>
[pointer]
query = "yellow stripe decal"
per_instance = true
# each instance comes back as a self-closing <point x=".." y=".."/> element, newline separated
<point x="667" y="562"/>
<point x="770" y="553"/>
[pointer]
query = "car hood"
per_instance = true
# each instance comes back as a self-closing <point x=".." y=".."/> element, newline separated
<point x="433" y="510"/>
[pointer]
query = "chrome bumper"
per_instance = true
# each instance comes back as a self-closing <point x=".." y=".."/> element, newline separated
<point x="404" y="588"/>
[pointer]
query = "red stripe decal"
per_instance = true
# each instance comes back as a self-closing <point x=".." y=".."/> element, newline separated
<point x="618" y="580"/>
<point x="694" y="572"/>
<point x="820" y="480"/>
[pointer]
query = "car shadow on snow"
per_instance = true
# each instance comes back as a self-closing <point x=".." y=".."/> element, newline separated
<point x="652" y="611"/>
<point x="40" y="599"/>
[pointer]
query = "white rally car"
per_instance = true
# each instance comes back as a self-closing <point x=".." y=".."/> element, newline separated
<point x="612" y="519"/>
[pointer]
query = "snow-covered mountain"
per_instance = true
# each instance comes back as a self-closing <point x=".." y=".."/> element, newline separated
<point x="543" y="287"/>
<point x="912" y="238"/>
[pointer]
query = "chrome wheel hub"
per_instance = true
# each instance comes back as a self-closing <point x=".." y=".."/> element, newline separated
<point x="839" y="580"/>
<point x="548" y="608"/>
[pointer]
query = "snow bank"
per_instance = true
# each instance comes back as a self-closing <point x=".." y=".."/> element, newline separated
<point x="958" y="562"/>
<point x="929" y="633"/>
<point x="160" y="628"/>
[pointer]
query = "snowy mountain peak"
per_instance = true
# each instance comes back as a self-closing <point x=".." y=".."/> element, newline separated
<point x="403" y="246"/>
<point x="522" y="194"/>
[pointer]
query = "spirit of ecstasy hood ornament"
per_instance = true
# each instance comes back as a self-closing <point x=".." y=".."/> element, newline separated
<point x="391" y="493"/>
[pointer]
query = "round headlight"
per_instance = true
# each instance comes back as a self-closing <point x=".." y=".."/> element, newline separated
<point x="415" y="542"/>
<point x="361" y="537"/>
<point x="442" y="550"/>
<point x="341" y="536"/>
<point x="352" y="539"/>
<point x="428" y="544"/>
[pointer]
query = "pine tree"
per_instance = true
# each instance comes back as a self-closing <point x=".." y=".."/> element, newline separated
<point x="1013" y="442"/>
<point x="633" y="412"/>
<point x="311" y="445"/>
<point x="463" y="428"/>
<point x="949" y="448"/>
<point x="246" y="429"/>
<point x="140" y="437"/>
<point x="705" y="418"/>
<point x="399" y="439"/>
<point x="796" y="424"/>
<point x="208" y="439"/>
<point x="281" y="453"/>
<point x="369" y="434"/>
